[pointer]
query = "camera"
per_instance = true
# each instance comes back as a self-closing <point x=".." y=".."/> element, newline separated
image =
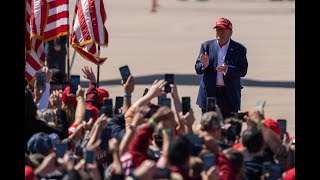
<point x="239" y="115"/>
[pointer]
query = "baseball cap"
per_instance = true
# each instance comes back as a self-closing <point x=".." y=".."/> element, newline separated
<point x="272" y="124"/>
<point x="290" y="174"/>
<point x="95" y="111"/>
<point x="68" y="99"/>
<point x="224" y="23"/>
<point x="28" y="173"/>
<point x="40" y="143"/>
<point x="237" y="146"/>
<point x="102" y="93"/>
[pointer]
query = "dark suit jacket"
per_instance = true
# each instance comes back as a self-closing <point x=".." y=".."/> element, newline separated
<point x="236" y="59"/>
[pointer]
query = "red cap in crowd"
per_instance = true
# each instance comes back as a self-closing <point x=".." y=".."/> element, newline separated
<point x="224" y="23"/>
<point x="237" y="146"/>
<point x="272" y="124"/>
<point x="68" y="99"/>
<point x="102" y="93"/>
<point x="28" y="173"/>
<point x="94" y="112"/>
<point x="290" y="174"/>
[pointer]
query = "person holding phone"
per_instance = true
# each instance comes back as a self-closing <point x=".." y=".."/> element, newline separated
<point x="221" y="62"/>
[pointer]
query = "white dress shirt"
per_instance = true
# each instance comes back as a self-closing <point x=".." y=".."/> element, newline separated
<point x="222" y="51"/>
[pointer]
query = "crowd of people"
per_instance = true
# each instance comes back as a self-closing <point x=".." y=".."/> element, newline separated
<point x="143" y="140"/>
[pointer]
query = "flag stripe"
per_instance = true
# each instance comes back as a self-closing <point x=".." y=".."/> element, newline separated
<point x="31" y="71"/>
<point x="101" y="19"/>
<point x="57" y="17"/>
<point x="94" y="21"/>
<point x="83" y="18"/>
<point x="56" y="24"/>
<point x="57" y="6"/>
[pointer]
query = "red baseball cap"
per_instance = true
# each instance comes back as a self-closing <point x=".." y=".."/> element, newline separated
<point x="28" y="173"/>
<point x="224" y="23"/>
<point x="237" y="146"/>
<point x="95" y="111"/>
<point x="272" y="124"/>
<point x="290" y="174"/>
<point x="68" y="99"/>
<point x="102" y="93"/>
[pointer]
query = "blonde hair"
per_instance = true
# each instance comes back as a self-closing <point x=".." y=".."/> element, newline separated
<point x="70" y="110"/>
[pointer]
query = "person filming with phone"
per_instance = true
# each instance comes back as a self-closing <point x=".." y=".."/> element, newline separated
<point x="221" y="62"/>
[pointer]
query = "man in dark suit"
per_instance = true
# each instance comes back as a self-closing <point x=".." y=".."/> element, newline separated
<point x="222" y="62"/>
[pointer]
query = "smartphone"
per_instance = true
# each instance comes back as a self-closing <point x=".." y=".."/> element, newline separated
<point x="162" y="96"/>
<point x="107" y="102"/>
<point x="89" y="156"/>
<point x="119" y="104"/>
<point x="209" y="159"/>
<point x="275" y="171"/>
<point x="165" y="102"/>
<point x="162" y="173"/>
<point x="41" y="80"/>
<point x="74" y="82"/>
<point x="240" y="115"/>
<point x="125" y="73"/>
<point x="170" y="80"/>
<point x="146" y="90"/>
<point x="260" y="105"/>
<point x="195" y="144"/>
<point x="60" y="149"/>
<point x="87" y="115"/>
<point x="283" y="125"/>
<point x="211" y="104"/>
<point x="185" y="105"/>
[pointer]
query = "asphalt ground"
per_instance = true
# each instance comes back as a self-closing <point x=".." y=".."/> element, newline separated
<point x="168" y="41"/>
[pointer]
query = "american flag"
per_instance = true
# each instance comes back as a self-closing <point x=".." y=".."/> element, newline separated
<point x="88" y="29"/>
<point x="45" y="20"/>
<point x="36" y="12"/>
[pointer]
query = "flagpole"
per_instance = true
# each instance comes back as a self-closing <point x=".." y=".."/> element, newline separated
<point x="98" y="68"/>
<point x="68" y="50"/>
<point x="68" y="59"/>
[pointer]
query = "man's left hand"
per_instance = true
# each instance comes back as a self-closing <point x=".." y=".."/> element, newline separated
<point x="222" y="68"/>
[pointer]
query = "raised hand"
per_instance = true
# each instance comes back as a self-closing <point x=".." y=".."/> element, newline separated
<point x="204" y="59"/>
<point x="156" y="88"/>
<point x="88" y="74"/>
<point x="129" y="85"/>
<point x="55" y="99"/>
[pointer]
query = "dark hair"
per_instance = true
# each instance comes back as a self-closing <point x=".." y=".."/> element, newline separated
<point x="158" y="139"/>
<point x="236" y="159"/>
<point x="30" y="108"/>
<point x="153" y="109"/>
<point x="252" y="139"/>
<point x="178" y="151"/>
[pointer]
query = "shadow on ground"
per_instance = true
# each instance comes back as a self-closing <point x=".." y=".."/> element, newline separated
<point x="191" y="79"/>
